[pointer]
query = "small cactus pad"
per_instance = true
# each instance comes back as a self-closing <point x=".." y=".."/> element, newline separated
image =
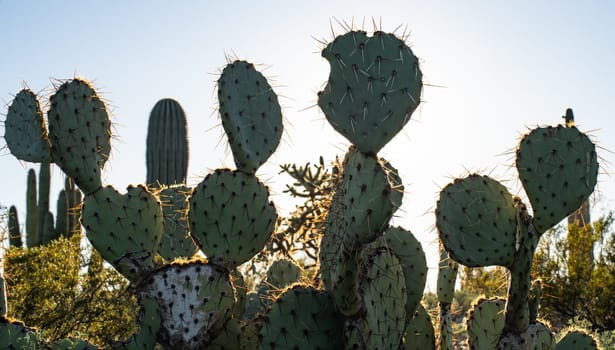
<point x="194" y="299"/>
<point x="230" y="216"/>
<point x="383" y="288"/>
<point x="251" y="115"/>
<point x="485" y="323"/>
<point x="411" y="256"/>
<point x="538" y="336"/>
<point x="374" y="86"/>
<point x="368" y="198"/>
<point x="282" y="273"/>
<point x="447" y="277"/>
<point x="576" y="339"/>
<point x="24" y="129"/>
<point x="477" y="221"/>
<point x="149" y="325"/>
<point x="73" y="344"/>
<point x="558" y="167"/>
<point x="176" y="241"/>
<point x="80" y="133"/>
<point x="331" y="241"/>
<point x="302" y="318"/>
<point x="229" y="337"/>
<point x="125" y="229"/>
<point x="419" y="333"/>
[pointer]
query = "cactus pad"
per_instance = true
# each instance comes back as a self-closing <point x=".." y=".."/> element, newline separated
<point x="125" y="229"/>
<point x="477" y="221"/>
<point x="302" y="318"/>
<point x="576" y="339"/>
<point x="282" y="273"/>
<point x="16" y="335"/>
<point x="149" y="325"/>
<point x="194" y="299"/>
<point x="176" y="241"/>
<point x="411" y="256"/>
<point x="447" y="277"/>
<point x="368" y="198"/>
<point x="419" y="333"/>
<point x="80" y="133"/>
<point x="230" y="216"/>
<point x="373" y="88"/>
<point x="251" y="115"/>
<point x="485" y="323"/>
<point x="72" y="344"/>
<point x="558" y="167"/>
<point x="24" y="129"/>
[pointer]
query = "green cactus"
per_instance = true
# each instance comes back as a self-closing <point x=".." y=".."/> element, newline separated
<point x="476" y="220"/>
<point x="125" y="229"/>
<point x="374" y="86"/>
<point x="72" y="344"/>
<point x="13" y="228"/>
<point x="16" y="335"/>
<point x="447" y="277"/>
<point x="558" y="167"/>
<point x="176" y="241"/>
<point x="250" y="113"/>
<point x="25" y="131"/>
<point x="167" y="144"/>
<point x="485" y="323"/>
<point x="419" y="333"/>
<point x="45" y="223"/>
<point x="79" y="133"/>
<point x="576" y="339"/>
<point x="149" y="325"/>
<point x="33" y="237"/>
<point x="282" y="273"/>
<point x="231" y="217"/>
<point x="304" y="318"/>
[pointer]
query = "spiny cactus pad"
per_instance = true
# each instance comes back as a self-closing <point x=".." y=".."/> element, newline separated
<point x="538" y="336"/>
<point x="447" y="277"/>
<point x="302" y="318"/>
<point x="419" y="334"/>
<point x="485" y="323"/>
<point x="229" y="337"/>
<point x="231" y="217"/>
<point x="558" y="167"/>
<point x="576" y="339"/>
<point x="80" y="133"/>
<point x="149" y="325"/>
<point x="374" y="86"/>
<point x="477" y="222"/>
<point x="176" y="241"/>
<point x="194" y="299"/>
<point x="368" y="198"/>
<point x="383" y="288"/>
<point x="125" y="229"/>
<point x="411" y="256"/>
<point x="24" y="129"/>
<point x="251" y="115"/>
<point x="282" y="273"/>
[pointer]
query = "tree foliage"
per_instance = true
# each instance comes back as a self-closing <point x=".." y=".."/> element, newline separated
<point x="66" y="291"/>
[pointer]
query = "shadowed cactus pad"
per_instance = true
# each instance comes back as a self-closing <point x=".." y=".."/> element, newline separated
<point x="558" y="167"/>
<point x="149" y="325"/>
<point x="419" y="333"/>
<point x="124" y="228"/>
<point x="538" y="336"/>
<point x="72" y="344"/>
<point x="231" y="217"/>
<point x="576" y="339"/>
<point x="194" y="299"/>
<point x="176" y="241"/>
<point x="80" y="133"/>
<point x="302" y="318"/>
<point x="251" y="115"/>
<point x="485" y="323"/>
<point x="282" y="273"/>
<point x="374" y="86"/>
<point x="15" y="335"/>
<point x="25" y="131"/>
<point x="477" y="222"/>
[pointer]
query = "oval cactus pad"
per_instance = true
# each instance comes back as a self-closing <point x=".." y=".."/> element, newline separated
<point x="558" y="167"/>
<point x="373" y="88"/>
<point x="230" y="216"/>
<point x="251" y="115"/>
<point x="477" y="222"/>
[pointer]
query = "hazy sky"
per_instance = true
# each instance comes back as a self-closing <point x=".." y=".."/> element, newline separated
<point x="491" y="69"/>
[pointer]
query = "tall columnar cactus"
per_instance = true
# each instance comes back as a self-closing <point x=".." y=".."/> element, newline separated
<point x="13" y="228"/>
<point x="167" y="144"/>
<point x="481" y="224"/>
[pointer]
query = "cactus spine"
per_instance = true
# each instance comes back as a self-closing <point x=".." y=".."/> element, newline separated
<point x="167" y="144"/>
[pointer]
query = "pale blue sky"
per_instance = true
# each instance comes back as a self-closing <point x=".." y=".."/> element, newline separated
<point x="494" y="67"/>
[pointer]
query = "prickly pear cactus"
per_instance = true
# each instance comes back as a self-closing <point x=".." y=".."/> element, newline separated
<point x="231" y="217"/>
<point x="251" y="115"/>
<point x="576" y="339"/>
<point x="25" y="130"/>
<point x="477" y="223"/>
<point x="282" y="273"/>
<point x="175" y="241"/>
<point x="79" y="133"/>
<point x="374" y="86"/>
<point x="73" y="344"/>
<point x="558" y="167"/>
<point x="302" y="318"/>
<point x="195" y="301"/>
<point x="485" y="323"/>
<point x="124" y="228"/>
<point x="419" y="332"/>
<point x="149" y="325"/>
<point x="15" y="335"/>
